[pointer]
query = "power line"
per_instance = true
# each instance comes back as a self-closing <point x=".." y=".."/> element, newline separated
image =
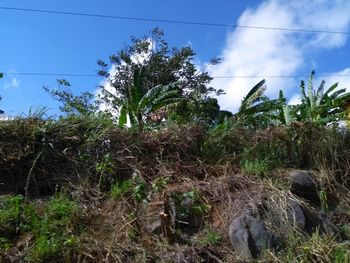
<point x="182" y="22"/>
<point x="279" y="76"/>
<point x="215" y="77"/>
<point x="49" y="74"/>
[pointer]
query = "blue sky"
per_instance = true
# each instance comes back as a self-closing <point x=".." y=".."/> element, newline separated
<point x="48" y="43"/>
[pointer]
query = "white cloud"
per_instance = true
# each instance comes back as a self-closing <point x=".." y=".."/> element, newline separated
<point x="11" y="82"/>
<point x="109" y="88"/>
<point x="294" y="100"/>
<point x="137" y="59"/>
<point x="342" y="77"/>
<point x="252" y="52"/>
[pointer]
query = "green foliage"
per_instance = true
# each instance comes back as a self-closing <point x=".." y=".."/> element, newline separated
<point x="196" y="205"/>
<point x="82" y="104"/>
<point x="321" y="106"/>
<point x="256" y="167"/>
<point x="121" y="188"/>
<point x="323" y="198"/>
<point x="104" y="168"/>
<point x="210" y="237"/>
<point x="200" y="209"/>
<point x="5" y="244"/>
<point x="161" y="65"/>
<point x="11" y="211"/>
<point x="317" y="106"/>
<point x="256" y="109"/>
<point x="52" y="229"/>
<point x="139" y="104"/>
<point x="139" y="190"/>
<point x="159" y="184"/>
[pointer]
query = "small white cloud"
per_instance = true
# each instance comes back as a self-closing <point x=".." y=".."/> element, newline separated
<point x="11" y="82"/>
<point x="294" y="100"/>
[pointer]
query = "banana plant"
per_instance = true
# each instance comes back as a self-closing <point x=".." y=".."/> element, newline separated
<point x="139" y="103"/>
<point x="257" y="109"/>
<point x="322" y="106"/>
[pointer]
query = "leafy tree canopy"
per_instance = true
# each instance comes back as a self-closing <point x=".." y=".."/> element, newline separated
<point x="82" y="104"/>
<point x="162" y="65"/>
<point x="140" y="104"/>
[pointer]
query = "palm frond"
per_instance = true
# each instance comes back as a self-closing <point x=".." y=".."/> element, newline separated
<point x="122" y="120"/>
<point x="310" y="90"/>
<point x="253" y="94"/>
<point x="319" y="93"/>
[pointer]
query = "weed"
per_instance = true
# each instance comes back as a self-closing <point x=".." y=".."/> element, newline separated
<point x="200" y="209"/>
<point x="5" y="244"/>
<point x="159" y="184"/>
<point x="131" y="231"/>
<point x="323" y="198"/>
<point x="11" y="210"/>
<point x="119" y="189"/>
<point x="140" y="191"/>
<point x="256" y="167"/>
<point x="189" y="206"/>
<point x="53" y="231"/>
<point x="104" y="168"/>
<point x="210" y="237"/>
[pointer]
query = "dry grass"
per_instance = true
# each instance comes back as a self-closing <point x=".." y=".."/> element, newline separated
<point x="188" y="159"/>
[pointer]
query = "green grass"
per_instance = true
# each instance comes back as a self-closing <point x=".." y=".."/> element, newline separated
<point x="256" y="167"/>
<point x="210" y="237"/>
<point x="52" y="228"/>
<point x="121" y="188"/>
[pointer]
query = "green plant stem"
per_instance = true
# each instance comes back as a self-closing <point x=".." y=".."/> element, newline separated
<point x="26" y="189"/>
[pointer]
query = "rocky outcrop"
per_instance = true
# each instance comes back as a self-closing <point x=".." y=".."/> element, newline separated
<point x="304" y="186"/>
<point x="274" y="216"/>
<point x="249" y="235"/>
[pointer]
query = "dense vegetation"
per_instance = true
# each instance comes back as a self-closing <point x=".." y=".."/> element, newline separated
<point x="157" y="184"/>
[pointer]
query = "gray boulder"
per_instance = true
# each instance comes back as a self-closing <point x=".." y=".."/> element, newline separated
<point x="249" y="236"/>
<point x="157" y="214"/>
<point x="318" y="221"/>
<point x="304" y="186"/>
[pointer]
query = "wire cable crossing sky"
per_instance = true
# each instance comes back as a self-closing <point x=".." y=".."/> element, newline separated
<point x="215" y="77"/>
<point x="280" y="41"/>
<point x="56" y="12"/>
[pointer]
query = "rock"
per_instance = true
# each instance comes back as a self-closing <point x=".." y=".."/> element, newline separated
<point x="317" y="221"/>
<point x="155" y="213"/>
<point x="249" y="236"/>
<point x="149" y="215"/>
<point x="296" y="215"/>
<point x="188" y="222"/>
<point x="304" y="186"/>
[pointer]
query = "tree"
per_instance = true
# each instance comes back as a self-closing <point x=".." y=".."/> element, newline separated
<point x="139" y="103"/>
<point x="162" y="65"/>
<point x="71" y="104"/>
